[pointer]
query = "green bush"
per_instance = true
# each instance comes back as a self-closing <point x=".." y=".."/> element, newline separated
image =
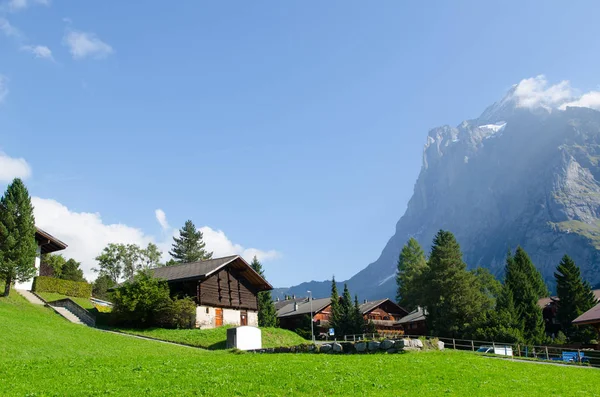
<point x="137" y="302"/>
<point x="177" y="313"/>
<point x="78" y="289"/>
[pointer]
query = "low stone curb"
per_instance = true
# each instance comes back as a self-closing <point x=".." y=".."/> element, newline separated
<point x="387" y="346"/>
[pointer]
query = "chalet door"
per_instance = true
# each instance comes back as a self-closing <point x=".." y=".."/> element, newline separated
<point x="218" y="317"/>
<point x="244" y="318"/>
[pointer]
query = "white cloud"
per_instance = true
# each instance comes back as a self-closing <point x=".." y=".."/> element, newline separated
<point x="590" y="100"/>
<point x="39" y="51"/>
<point x="86" y="235"/>
<point x="3" y="88"/>
<point x="11" y="168"/>
<point x="17" y="5"/>
<point x="161" y="217"/>
<point x="9" y="30"/>
<point x="535" y="92"/>
<point x="219" y="243"/>
<point x="83" y="45"/>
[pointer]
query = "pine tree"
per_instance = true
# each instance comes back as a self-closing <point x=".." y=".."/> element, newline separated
<point x="536" y="281"/>
<point x="575" y="297"/>
<point x="411" y="264"/>
<point x="526" y="287"/>
<point x="335" y="318"/>
<point x="452" y="297"/>
<point x="347" y="310"/>
<point x="359" y="320"/>
<point x="189" y="246"/>
<point x="17" y="235"/>
<point x="71" y="271"/>
<point x="267" y="315"/>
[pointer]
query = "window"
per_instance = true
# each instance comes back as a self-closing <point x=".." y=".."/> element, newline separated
<point x="207" y="310"/>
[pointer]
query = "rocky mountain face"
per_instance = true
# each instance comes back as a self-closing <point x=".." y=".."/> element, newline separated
<point x="514" y="176"/>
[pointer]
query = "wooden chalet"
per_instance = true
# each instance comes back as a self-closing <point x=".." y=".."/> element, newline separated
<point x="591" y="317"/>
<point x="225" y="289"/>
<point x="384" y="314"/>
<point x="414" y="323"/>
<point x="46" y="244"/>
<point x="549" y="306"/>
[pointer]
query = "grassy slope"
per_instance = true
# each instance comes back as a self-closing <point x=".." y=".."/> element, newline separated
<point x="42" y="354"/>
<point x="53" y="296"/>
<point x="216" y="338"/>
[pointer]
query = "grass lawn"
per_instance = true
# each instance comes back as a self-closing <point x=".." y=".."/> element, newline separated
<point x="41" y="354"/>
<point x="216" y="338"/>
<point x="53" y="296"/>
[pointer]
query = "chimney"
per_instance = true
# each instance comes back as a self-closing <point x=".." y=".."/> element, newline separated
<point x="294" y="296"/>
<point x="295" y="306"/>
<point x="277" y="300"/>
<point x="365" y="301"/>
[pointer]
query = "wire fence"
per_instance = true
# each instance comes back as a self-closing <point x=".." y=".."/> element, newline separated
<point x="578" y="354"/>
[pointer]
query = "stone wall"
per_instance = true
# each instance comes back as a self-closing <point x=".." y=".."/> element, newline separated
<point x="388" y="346"/>
<point x="77" y="310"/>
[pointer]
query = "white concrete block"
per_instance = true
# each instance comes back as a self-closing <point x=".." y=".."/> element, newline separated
<point x="244" y="338"/>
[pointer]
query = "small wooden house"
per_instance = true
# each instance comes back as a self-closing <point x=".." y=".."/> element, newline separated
<point x="383" y="313"/>
<point x="225" y="289"/>
<point x="46" y="244"/>
<point x="414" y="323"/>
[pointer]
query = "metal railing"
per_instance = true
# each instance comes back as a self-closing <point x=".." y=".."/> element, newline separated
<point x="578" y="354"/>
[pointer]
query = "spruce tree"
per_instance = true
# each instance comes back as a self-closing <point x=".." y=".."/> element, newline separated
<point x="17" y="235"/>
<point x="452" y="297"/>
<point x="411" y="264"/>
<point x="575" y="297"/>
<point x="347" y="310"/>
<point x="267" y="315"/>
<point x="335" y="318"/>
<point x="526" y="287"/>
<point x="359" y="320"/>
<point x="189" y="246"/>
<point x="536" y="281"/>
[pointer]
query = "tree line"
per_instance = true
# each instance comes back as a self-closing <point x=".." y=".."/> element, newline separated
<point x="474" y="304"/>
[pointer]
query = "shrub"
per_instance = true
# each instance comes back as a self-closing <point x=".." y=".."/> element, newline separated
<point x="78" y="289"/>
<point x="137" y="302"/>
<point x="176" y="313"/>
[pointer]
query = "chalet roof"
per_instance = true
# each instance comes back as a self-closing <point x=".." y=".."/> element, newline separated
<point x="304" y="307"/>
<point x="368" y="306"/>
<point x="280" y="304"/>
<point x="543" y="302"/>
<point x="48" y="242"/>
<point x="416" y="315"/>
<point x="592" y="316"/>
<point x="203" y="269"/>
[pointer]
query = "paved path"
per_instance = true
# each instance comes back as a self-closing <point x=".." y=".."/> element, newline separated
<point x="30" y="297"/>
<point x="541" y="362"/>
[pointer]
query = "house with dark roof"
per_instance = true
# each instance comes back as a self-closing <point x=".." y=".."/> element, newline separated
<point x="549" y="306"/>
<point x="414" y="323"/>
<point x="383" y="313"/>
<point x="591" y="317"/>
<point x="46" y="244"/>
<point x="225" y="289"/>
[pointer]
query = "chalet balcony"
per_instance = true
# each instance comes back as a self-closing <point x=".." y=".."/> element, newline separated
<point x="385" y="323"/>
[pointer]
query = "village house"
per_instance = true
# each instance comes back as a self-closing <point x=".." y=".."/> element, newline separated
<point x="414" y="323"/>
<point x="46" y="244"/>
<point x="549" y="305"/>
<point x="383" y="313"/>
<point x="225" y="290"/>
<point x="591" y="317"/>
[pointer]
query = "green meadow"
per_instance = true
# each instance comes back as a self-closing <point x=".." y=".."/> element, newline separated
<point x="41" y="354"/>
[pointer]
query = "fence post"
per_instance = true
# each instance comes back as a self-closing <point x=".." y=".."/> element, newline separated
<point x="453" y="343"/>
<point x="345" y="338"/>
<point x="547" y="356"/>
<point x="578" y="355"/>
<point x="472" y="345"/>
<point x="519" y="349"/>
<point x="354" y="338"/>
<point x="373" y="336"/>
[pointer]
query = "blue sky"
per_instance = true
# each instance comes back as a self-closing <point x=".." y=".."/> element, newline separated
<point x="293" y="130"/>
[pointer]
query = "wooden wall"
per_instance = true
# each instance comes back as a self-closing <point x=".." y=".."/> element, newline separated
<point x="227" y="288"/>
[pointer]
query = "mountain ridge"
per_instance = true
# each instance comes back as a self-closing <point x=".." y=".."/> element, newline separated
<point x="516" y="175"/>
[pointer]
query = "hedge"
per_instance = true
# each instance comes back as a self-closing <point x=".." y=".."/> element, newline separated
<point x="65" y="287"/>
